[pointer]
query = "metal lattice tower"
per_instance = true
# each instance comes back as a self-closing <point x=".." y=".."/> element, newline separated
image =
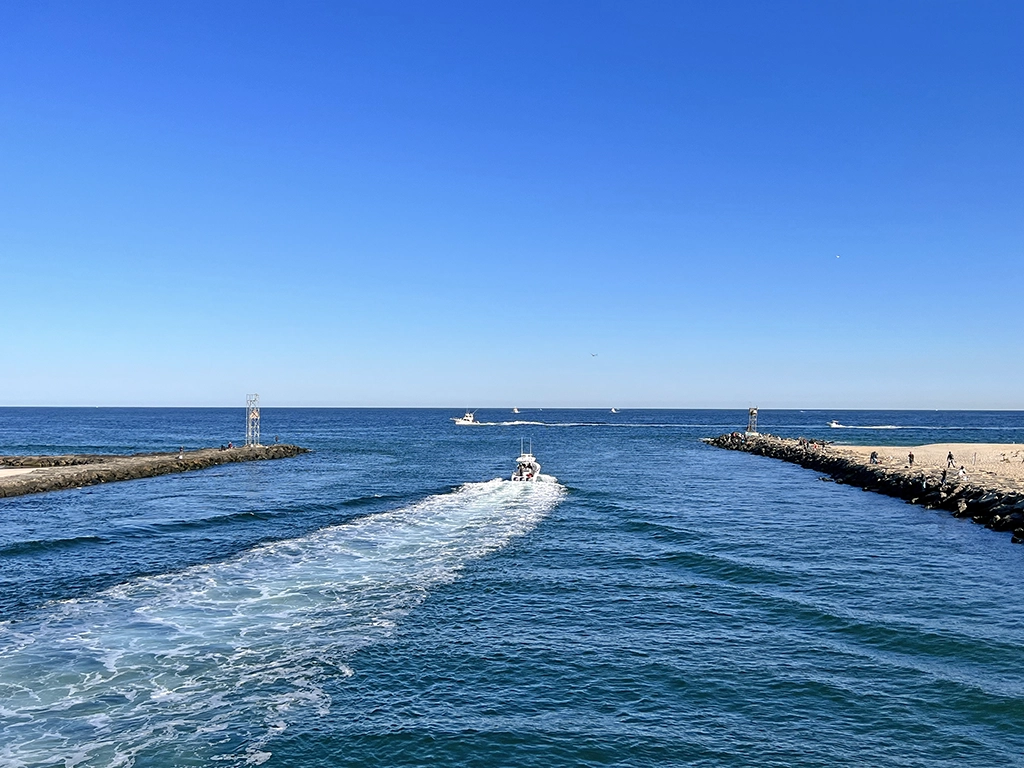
<point x="252" y="419"/>
<point x="752" y="421"/>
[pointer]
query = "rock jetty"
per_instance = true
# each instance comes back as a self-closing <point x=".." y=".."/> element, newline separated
<point x="993" y="502"/>
<point x="20" y="475"/>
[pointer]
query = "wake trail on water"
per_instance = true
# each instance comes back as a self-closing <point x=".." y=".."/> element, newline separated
<point x="911" y="426"/>
<point x="878" y="426"/>
<point x="594" y="424"/>
<point x="216" y="659"/>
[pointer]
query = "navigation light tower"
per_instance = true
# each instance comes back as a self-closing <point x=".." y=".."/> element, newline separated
<point x="252" y="419"/>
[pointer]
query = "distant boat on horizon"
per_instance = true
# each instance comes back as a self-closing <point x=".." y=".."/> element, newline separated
<point x="615" y="410"/>
<point x="515" y="410"/>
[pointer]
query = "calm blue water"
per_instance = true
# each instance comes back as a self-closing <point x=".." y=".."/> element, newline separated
<point x="386" y="600"/>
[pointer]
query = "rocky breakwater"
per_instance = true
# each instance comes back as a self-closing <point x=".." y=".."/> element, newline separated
<point x="993" y="497"/>
<point x="20" y="475"/>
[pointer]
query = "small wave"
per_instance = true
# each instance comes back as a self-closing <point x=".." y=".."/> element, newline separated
<point x="45" y="545"/>
<point x="253" y="516"/>
<point x="216" y="521"/>
<point x="235" y="647"/>
<point x="375" y="500"/>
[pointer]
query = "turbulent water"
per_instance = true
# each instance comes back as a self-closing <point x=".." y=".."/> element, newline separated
<point x="389" y="600"/>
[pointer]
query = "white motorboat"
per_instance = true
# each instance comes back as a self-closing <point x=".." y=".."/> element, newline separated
<point x="835" y="424"/>
<point x="615" y="410"/>
<point x="527" y="466"/>
<point x="469" y="418"/>
<point x="515" y="410"/>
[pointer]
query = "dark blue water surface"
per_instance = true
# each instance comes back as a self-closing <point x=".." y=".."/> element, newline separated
<point x="385" y="600"/>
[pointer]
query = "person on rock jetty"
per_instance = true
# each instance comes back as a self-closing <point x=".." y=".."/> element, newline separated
<point x="961" y="473"/>
<point x="874" y="457"/>
<point x="910" y="458"/>
<point x="949" y="460"/>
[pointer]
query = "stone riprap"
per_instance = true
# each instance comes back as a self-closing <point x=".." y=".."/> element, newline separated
<point x="989" y="502"/>
<point x="20" y="475"/>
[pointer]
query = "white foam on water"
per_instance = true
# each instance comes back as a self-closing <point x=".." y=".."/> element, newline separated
<point x="216" y="659"/>
<point x="875" y="426"/>
<point x="937" y="428"/>
<point x="601" y="424"/>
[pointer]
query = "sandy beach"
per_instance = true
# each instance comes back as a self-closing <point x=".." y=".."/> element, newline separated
<point x="4" y="472"/>
<point x="992" y="465"/>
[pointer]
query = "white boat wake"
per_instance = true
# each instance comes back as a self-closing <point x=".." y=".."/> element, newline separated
<point x="616" y="425"/>
<point x="210" y="662"/>
<point x="837" y="425"/>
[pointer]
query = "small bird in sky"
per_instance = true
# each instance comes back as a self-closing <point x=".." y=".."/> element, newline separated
<point x="593" y="354"/>
<point x="837" y="255"/>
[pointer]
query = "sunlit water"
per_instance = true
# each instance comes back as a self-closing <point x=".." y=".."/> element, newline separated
<point x="389" y="600"/>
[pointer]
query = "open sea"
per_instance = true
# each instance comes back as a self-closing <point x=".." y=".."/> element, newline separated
<point x="392" y="600"/>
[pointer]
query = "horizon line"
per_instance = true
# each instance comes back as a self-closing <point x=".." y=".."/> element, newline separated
<point x="527" y="408"/>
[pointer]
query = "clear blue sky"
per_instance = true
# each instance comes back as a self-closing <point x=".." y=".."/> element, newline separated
<point x="457" y="203"/>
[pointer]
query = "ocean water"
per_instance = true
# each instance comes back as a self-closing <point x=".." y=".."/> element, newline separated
<point x="390" y="599"/>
